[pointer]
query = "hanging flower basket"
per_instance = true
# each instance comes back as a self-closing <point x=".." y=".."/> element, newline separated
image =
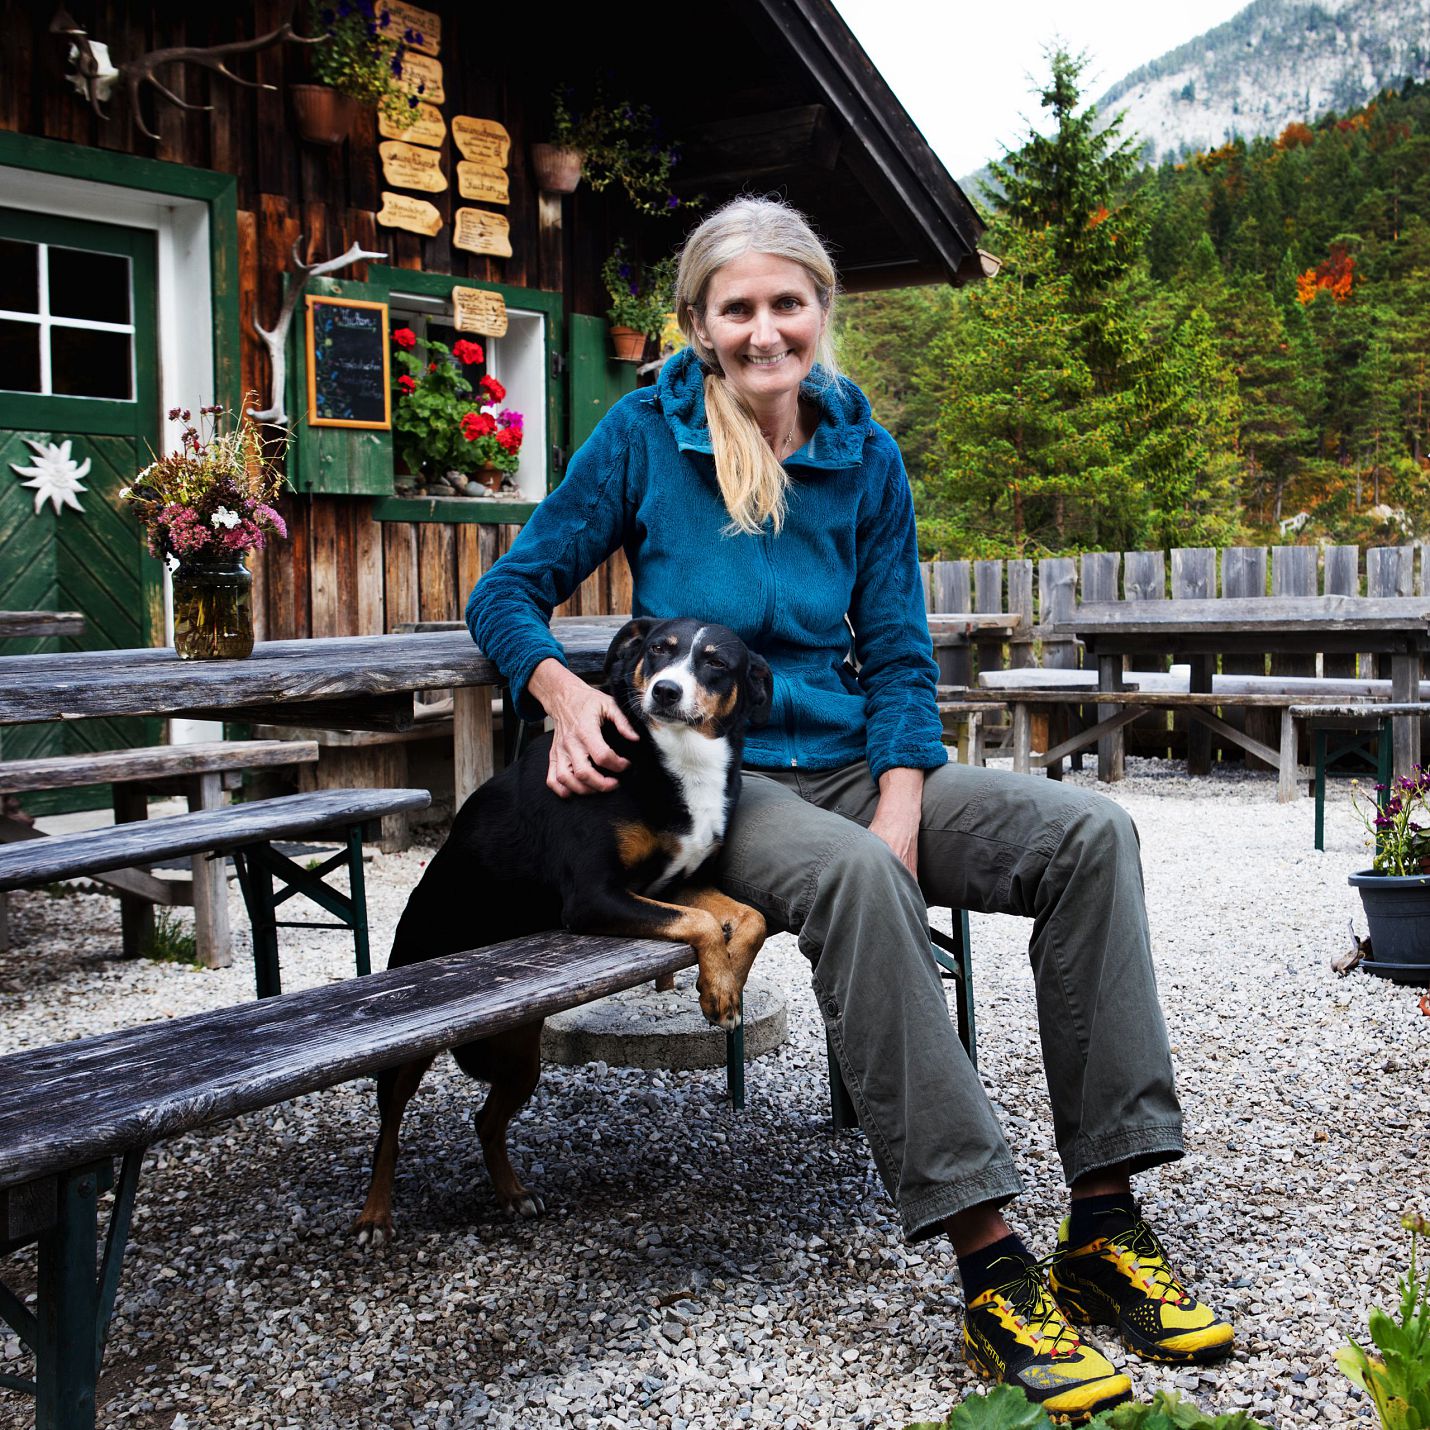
<point x="558" y="169"/>
<point x="323" y="115"/>
<point x="629" y="343"/>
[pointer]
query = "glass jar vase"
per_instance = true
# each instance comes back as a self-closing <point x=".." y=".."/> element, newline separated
<point x="213" y="609"/>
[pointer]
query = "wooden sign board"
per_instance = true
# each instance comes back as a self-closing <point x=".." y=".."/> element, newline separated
<point x="422" y="76"/>
<point x="412" y="168"/>
<point x="478" y="231"/>
<point x="479" y="310"/>
<point x="484" y="141"/>
<point x="348" y="379"/>
<point x="424" y="22"/>
<point x="415" y="215"/>
<point x="425" y="126"/>
<point x="481" y="182"/>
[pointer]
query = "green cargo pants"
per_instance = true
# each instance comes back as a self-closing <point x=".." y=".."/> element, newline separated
<point x="799" y="850"/>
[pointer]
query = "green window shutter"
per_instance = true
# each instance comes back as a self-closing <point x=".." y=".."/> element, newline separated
<point x="598" y="382"/>
<point x="334" y="460"/>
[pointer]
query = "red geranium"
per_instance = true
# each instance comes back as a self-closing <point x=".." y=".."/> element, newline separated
<point x="493" y="389"/>
<point x="406" y="383"/>
<point x="404" y="337"/>
<point x="509" y="439"/>
<point x="467" y="352"/>
<point x="478" y="424"/>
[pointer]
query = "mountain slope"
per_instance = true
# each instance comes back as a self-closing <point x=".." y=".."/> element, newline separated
<point x="1275" y="62"/>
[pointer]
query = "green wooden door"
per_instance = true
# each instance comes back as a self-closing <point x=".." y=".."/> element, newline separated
<point x="78" y="415"/>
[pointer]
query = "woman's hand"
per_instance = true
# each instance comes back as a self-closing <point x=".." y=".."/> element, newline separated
<point x="581" y="761"/>
<point x="898" y="814"/>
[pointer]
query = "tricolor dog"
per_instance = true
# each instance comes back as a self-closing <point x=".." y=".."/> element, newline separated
<point x="633" y="861"/>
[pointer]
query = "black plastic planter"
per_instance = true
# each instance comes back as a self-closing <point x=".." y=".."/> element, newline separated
<point x="1397" y="908"/>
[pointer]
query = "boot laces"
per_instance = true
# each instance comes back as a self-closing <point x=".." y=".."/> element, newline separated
<point x="1148" y="1259"/>
<point x="1035" y="1309"/>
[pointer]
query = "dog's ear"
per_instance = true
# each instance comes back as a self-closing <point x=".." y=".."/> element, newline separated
<point x="629" y="639"/>
<point x="761" y="689"/>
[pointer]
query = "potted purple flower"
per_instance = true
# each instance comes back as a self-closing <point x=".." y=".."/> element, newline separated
<point x="203" y="509"/>
<point x="1395" y="890"/>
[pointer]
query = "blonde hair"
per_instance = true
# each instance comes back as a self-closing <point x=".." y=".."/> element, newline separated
<point x="752" y="481"/>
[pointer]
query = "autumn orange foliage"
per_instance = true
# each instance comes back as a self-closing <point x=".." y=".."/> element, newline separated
<point x="1335" y="276"/>
<point x="1296" y="136"/>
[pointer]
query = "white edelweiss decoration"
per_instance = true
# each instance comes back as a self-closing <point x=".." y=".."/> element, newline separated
<point x="224" y="517"/>
<point x="172" y="562"/>
<point x="55" y="475"/>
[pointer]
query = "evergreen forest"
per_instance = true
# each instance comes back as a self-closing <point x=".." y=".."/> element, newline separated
<point x="1231" y="349"/>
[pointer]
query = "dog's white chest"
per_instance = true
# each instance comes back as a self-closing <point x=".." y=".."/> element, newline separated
<point x="700" y="768"/>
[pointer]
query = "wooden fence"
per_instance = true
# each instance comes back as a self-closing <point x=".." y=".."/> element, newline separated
<point x="1045" y="591"/>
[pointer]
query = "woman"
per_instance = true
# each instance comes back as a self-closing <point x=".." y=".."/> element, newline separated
<point x="750" y="487"/>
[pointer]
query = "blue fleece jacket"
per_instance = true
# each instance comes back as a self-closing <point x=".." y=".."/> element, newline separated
<point x="645" y="481"/>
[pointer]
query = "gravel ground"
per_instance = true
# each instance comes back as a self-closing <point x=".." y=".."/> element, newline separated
<point x="697" y="1268"/>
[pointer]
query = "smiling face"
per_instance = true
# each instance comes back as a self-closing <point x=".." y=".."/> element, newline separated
<point x="762" y="319"/>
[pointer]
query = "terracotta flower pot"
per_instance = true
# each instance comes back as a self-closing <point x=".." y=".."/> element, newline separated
<point x="629" y="344"/>
<point x="324" y="116"/>
<point x="558" y="170"/>
<point x="490" y="477"/>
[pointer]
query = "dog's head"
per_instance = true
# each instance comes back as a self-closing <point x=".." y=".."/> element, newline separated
<point x="688" y="672"/>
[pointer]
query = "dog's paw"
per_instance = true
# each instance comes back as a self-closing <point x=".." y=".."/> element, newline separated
<point x="721" y="1007"/>
<point x="524" y="1204"/>
<point x="372" y="1231"/>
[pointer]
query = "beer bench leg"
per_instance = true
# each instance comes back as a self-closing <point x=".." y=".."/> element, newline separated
<point x="67" y="1329"/>
<point x="259" y="865"/>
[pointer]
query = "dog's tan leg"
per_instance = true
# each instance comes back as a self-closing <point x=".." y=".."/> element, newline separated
<point x="395" y="1089"/>
<point x="743" y="926"/>
<point x="511" y="1063"/>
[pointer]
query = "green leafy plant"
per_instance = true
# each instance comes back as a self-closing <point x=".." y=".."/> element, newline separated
<point x="1398" y="1380"/>
<point x="641" y="293"/>
<point x="1400" y="840"/>
<point x="170" y="941"/>
<point x="623" y="143"/>
<point x="441" y="418"/>
<point x="361" y="55"/>
<point x="1006" y="1407"/>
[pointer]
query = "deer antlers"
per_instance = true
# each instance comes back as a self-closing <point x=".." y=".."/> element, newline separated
<point x="95" y="77"/>
<point x="275" y="339"/>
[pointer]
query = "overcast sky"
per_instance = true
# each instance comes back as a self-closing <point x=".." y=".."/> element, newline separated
<point x="965" y="71"/>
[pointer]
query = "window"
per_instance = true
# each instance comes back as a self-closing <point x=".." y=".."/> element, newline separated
<point x="517" y="360"/>
<point x="66" y="321"/>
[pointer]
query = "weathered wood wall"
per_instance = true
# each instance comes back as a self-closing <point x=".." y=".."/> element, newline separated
<point x="341" y="573"/>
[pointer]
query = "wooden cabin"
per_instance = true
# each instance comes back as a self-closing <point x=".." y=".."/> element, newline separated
<point x="146" y="237"/>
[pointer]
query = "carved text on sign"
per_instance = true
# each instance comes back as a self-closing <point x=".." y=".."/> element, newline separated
<point x="479" y="310"/>
<point x="482" y="140"/>
<point x="478" y="231"/>
<point x="424" y="22"/>
<point x="422" y="76"/>
<point x="485" y="185"/>
<point x="403" y="211"/>
<point x="412" y="168"/>
<point x="425" y="126"/>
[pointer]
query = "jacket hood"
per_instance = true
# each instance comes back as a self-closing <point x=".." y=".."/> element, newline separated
<point x="838" y="441"/>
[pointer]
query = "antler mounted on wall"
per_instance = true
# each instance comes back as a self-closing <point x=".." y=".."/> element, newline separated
<point x="275" y="339"/>
<point x="95" y="76"/>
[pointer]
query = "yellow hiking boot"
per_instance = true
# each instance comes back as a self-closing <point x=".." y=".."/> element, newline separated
<point x="1124" y="1280"/>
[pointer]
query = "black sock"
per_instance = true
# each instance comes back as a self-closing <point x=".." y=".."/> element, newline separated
<point x="992" y="1266"/>
<point x="1093" y="1217"/>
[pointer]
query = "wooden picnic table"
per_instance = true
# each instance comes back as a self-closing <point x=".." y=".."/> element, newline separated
<point x="1200" y="630"/>
<point x="41" y="623"/>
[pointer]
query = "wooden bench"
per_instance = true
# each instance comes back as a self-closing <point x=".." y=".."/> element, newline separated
<point x="70" y="1109"/>
<point x="1126" y="706"/>
<point x="200" y="773"/>
<point x="1353" y="723"/>
<point x="248" y="831"/>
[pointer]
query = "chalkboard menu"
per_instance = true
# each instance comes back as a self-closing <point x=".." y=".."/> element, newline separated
<point x="348" y="383"/>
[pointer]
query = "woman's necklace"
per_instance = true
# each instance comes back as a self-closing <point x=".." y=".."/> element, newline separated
<point x="785" y="447"/>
